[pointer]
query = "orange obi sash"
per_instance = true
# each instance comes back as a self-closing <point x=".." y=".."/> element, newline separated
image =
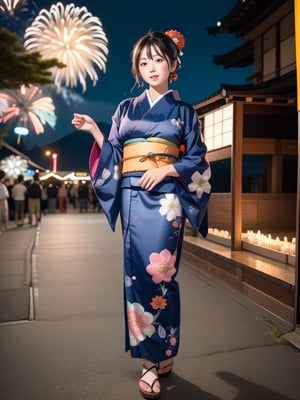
<point x="143" y="154"/>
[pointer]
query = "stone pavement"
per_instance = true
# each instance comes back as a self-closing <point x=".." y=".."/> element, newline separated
<point x="15" y="273"/>
<point x="231" y="349"/>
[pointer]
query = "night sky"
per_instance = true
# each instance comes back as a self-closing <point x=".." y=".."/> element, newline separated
<point x="123" y="23"/>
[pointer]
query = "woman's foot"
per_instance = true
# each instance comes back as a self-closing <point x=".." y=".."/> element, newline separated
<point x="164" y="368"/>
<point x="149" y="382"/>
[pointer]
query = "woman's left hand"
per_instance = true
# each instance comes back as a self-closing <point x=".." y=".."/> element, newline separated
<point x="152" y="177"/>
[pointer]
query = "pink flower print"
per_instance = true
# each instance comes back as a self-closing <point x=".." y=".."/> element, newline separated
<point x="168" y="353"/>
<point x="177" y="122"/>
<point x="173" y="341"/>
<point x="139" y="323"/>
<point x="161" y="266"/>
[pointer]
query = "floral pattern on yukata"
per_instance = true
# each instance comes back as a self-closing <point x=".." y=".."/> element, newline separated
<point x="170" y="206"/>
<point x="162" y="268"/>
<point x="139" y="323"/>
<point x="200" y="183"/>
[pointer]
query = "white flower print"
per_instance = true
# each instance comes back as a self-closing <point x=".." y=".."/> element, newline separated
<point x="104" y="176"/>
<point x="117" y="174"/>
<point x="170" y="206"/>
<point x="200" y="183"/>
<point x="139" y="323"/>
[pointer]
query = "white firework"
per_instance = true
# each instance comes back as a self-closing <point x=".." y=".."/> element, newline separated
<point x="16" y="15"/>
<point x="14" y="166"/>
<point x="10" y="5"/>
<point x="75" y="37"/>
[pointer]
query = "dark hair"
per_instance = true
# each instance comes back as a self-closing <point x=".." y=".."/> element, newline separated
<point x="162" y="43"/>
<point x="2" y="174"/>
<point x="20" y="178"/>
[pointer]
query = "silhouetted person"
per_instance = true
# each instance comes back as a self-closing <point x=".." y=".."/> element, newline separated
<point x="19" y="192"/>
<point x="52" y="197"/>
<point x="3" y="203"/>
<point x="34" y="193"/>
<point x="83" y="196"/>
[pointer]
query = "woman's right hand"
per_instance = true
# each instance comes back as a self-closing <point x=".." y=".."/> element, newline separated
<point x="83" y="122"/>
<point x="86" y="123"/>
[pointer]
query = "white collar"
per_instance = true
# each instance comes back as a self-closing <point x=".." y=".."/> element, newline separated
<point x="154" y="102"/>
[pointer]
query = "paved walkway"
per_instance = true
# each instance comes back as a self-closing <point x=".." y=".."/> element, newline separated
<point x="15" y="273"/>
<point x="231" y="349"/>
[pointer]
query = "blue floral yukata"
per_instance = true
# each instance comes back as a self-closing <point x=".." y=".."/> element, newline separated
<point x="153" y="221"/>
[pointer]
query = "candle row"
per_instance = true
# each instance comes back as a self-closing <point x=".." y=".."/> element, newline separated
<point x="260" y="239"/>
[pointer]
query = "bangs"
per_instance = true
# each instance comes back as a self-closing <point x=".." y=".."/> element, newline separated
<point x="152" y="50"/>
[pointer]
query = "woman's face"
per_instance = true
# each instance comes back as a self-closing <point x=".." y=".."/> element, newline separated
<point x="155" y="70"/>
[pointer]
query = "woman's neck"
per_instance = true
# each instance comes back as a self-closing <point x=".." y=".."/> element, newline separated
<point x="155" y="93"/>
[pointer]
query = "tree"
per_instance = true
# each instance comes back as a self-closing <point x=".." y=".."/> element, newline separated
<point x="19" y="67"/>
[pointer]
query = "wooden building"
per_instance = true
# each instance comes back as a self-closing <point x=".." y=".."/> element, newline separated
<point x="251" y="132"/>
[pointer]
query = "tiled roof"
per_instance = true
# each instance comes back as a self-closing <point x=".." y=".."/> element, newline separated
<point x="277" y="91"/>
<point x="242" y="56"/>
<point x="245" y="16"/>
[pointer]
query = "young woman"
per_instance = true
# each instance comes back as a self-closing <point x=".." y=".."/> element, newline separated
<point x="153" y="170"/>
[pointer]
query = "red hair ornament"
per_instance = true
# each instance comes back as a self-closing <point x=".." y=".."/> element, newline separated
<point x="179" y="40"/>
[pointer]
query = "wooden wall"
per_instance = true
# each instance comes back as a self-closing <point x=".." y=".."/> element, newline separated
<point x="273" y="211"/>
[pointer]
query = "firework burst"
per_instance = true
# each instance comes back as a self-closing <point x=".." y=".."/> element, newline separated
<point x="75" y="37"/>
<point x="28" y="108"/>
<point x="15" y="15"/>
<point x="14" y="166"/>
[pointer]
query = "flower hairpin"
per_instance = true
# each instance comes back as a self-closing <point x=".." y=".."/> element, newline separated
<point x="179" y="40"/>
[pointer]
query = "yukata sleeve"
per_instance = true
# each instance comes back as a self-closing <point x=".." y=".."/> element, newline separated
<point x="193" y="187"/>
<point x="104" y="165"/>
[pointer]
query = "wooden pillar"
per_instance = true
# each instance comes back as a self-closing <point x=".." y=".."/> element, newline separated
<point x="236" y="177"/>
<point x="297" y="42"/>
<point x="297" y="299"/>
<point x="276" y="180"/>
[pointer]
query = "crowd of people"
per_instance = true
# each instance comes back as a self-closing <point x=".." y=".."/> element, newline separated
<point x="26" y="200"/>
